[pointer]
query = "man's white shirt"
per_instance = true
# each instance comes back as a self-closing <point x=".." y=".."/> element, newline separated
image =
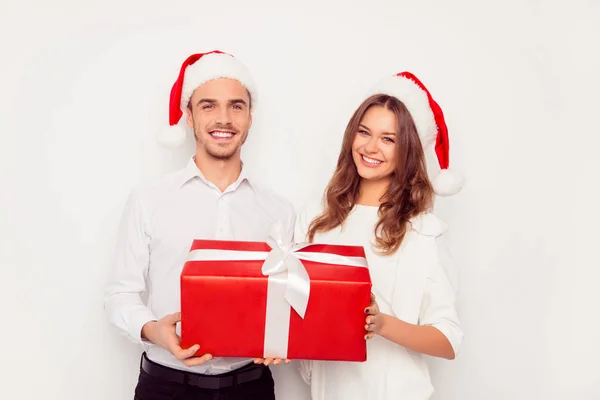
<point x="158" y="225"/>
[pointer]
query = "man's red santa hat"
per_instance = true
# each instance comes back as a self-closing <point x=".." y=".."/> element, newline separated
<point x="196" y="70"/>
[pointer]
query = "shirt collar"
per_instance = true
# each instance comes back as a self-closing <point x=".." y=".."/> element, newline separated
<point x="192" y="171"/>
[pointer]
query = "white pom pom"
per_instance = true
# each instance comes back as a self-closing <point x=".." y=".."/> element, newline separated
<point x="172" y="136"/>
<point x="447" y="183"/>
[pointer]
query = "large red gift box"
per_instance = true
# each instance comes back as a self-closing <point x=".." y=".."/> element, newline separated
<point x="224" y="303"/>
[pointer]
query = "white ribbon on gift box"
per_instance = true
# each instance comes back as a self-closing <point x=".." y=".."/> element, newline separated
<point x="288" y="283"/>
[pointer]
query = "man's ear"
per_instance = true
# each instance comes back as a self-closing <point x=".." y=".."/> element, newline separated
<point x="188" y="117"/>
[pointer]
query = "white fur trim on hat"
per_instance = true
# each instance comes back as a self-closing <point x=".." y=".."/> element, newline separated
<point x="172" y="136"/>
<point x="416" y="101"/>
<point x="447" y="183"/>
<point x="215" y="66"/>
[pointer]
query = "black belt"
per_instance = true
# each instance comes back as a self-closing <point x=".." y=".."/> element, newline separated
<point x="244" y="374"/>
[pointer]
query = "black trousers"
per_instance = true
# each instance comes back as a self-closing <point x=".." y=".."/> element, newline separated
<point x="153" y="388"/>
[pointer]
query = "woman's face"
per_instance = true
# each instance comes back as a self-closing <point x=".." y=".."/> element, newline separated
<point x="374" y="146"/>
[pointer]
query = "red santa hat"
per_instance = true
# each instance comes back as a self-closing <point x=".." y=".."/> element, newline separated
<point x="196" y="70"/>
<point x="429" y="121"/>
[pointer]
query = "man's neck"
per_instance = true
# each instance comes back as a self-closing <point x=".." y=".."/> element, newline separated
<point x="372" y="192"/>
<point x="221" y="173"/>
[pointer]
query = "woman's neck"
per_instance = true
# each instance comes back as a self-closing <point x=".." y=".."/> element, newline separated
<point x="371" y="192"/>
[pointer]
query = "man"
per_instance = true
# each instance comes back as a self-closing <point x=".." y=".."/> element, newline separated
<point x="212" y="198"/>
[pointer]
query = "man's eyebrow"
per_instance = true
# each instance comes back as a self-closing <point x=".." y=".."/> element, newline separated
<point x="206" y="101"/>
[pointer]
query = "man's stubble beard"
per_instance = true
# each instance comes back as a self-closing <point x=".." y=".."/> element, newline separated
<point x="200" y="141"/>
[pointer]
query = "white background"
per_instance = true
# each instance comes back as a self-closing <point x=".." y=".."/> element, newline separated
<point x="85" y="86"/>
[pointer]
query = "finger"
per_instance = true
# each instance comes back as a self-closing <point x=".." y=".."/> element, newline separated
<point x="192" y="362"/>
<point x="370" y="327"/>
<point x="259" y="360"/>
<point x="268" y="361"/>
<point x="369" y="335"/>
<point x="172" y="319"/>
<point x="371" y="303"/>
<point x="287" y="361"/>
<point x="182" y="354"/>
<point x="277" y="361"/>
<point x="372" y="309"/>
<point x="174" y="346"/>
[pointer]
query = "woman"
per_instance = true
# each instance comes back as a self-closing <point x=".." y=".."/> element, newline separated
<point x="380" y="197"/>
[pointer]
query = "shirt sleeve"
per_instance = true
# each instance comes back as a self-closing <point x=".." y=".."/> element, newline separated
<point x="127" y="281"/>
<point x="300" y="228"/>
<point x="303" y="220"/>
<point x="438" y="308"/>
<point x="290" y="223"/>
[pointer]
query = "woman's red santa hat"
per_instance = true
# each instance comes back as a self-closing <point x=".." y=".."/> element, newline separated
<point x="429" y="121"/>
<point x="196" y="70"/>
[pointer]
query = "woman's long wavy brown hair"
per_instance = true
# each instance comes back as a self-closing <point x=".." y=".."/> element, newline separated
<point x="409" y="193"/>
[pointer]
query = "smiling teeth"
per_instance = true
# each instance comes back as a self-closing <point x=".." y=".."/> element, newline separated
<point x="371" y="161"/>
<point x="222" y="134"/>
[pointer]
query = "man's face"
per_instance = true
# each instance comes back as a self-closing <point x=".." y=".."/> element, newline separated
<point x="219" y="114"/>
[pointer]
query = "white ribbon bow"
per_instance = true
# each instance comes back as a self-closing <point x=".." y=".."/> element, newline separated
<point x="284" y="257"/>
